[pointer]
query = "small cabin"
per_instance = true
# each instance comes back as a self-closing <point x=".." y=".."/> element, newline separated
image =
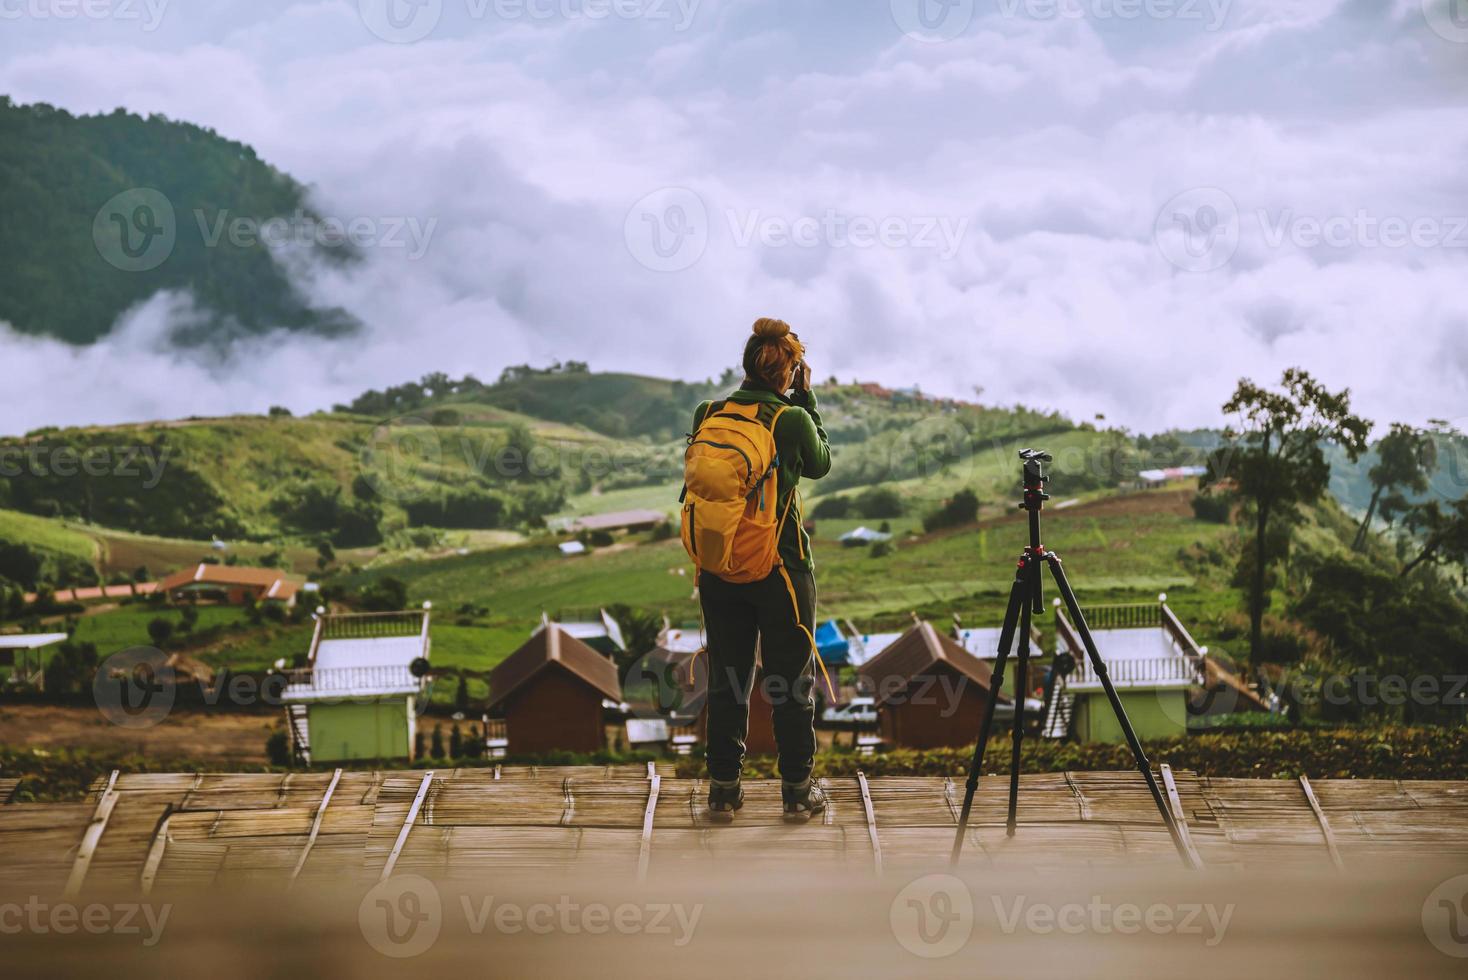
<point x="550" y="693"/>
<point x="929" y="691"/>
<point x="1162" y="676"/>
<point x="357" y="698"/>
<point x="22" y="663"/>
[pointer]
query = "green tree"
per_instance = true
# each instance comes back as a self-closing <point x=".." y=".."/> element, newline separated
<point x="1273" y="456"/>
<point x="1406" y="457"/>
<point x="1444" y="533"/>
<point x="640" y="629"/>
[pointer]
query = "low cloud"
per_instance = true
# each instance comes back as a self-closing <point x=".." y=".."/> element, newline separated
<point x="1054" y="144"/>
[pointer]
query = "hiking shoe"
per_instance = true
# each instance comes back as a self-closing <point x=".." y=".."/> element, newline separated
<point x="725" y="798"/>
<point x="802" y="800"/>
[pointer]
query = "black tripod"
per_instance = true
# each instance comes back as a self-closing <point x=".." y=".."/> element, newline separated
<point x="1024" y="603"/>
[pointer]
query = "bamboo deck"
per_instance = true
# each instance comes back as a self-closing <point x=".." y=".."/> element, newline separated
<point x="184" y="829"/>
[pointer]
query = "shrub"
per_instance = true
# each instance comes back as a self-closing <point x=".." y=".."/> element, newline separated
<point x="962" y="508"/>
<point x="71" y="669"/>
<point x="832" y="508"/>
<point x="880" y="502"/>
<point x="159" y="630"/>
<point x="278" y="749"/>
<point x="1216" y="508"/>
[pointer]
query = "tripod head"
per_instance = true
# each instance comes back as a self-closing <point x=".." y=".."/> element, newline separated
<point x="1035" y="478"/>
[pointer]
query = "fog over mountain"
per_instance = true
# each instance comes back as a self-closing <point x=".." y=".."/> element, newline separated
<point x="1073" y="204"/>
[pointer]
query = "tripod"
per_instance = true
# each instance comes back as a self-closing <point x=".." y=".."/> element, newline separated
<point x="1025" y="602"/>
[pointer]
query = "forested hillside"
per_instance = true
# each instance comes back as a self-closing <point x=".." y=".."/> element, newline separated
<point x="74" y="255"/>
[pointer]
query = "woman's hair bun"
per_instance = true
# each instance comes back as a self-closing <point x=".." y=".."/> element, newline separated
<point x="769" y="327"/>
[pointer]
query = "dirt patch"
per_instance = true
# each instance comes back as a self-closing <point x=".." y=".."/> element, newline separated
<point x="223" y="736"/>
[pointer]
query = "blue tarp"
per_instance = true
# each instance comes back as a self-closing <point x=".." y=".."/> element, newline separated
<point x="831" y="644"/>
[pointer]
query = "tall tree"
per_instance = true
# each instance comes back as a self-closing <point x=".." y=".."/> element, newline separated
<point x="1406" y="457"/>
<point x="1274" y="458"/>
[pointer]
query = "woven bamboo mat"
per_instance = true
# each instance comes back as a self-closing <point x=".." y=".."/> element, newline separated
<point x="178" y="830"/>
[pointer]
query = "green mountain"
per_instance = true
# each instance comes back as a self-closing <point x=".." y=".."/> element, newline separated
<point x="104" y="211"/>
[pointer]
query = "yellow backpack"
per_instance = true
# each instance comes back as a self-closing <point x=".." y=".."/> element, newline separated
<point x="730" y="492"/>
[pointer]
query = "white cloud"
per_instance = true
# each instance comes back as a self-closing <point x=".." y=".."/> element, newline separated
<point x="1052" y="142"/>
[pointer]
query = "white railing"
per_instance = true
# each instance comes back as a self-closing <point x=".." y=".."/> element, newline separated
<point x="345" y="679"/>
<point x="1150" y="670"/>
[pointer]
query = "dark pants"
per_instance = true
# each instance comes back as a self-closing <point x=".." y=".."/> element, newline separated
<point x="734" y="615"/>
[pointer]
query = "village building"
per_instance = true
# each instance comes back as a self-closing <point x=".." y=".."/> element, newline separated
<point x="22" y="664"/>
<point x="551" y="693"/>
<point x="930" y="692"/>
<point x="233" y="584"/>
<point x="1161" y="675"/>
<point x="358" y="695"/>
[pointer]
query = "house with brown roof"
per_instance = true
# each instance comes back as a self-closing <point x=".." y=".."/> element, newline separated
<point x="550" y="693"/>
<point x="621" y="520"/>
<point x="929" y="690"/>
<point x="232" y="583"/>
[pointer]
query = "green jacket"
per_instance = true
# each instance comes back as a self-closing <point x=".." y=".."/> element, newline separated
<point x="804" y="450"/>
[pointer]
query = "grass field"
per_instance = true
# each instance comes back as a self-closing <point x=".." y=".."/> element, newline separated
<point x="46" y="534"/>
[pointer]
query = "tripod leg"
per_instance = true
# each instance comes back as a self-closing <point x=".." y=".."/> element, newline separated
<point x="1099" y="666"/>
<point x="1021" y="685"/>
<point x="1018" y="593"/>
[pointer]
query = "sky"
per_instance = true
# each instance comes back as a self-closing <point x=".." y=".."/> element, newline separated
<point x="1096" y="206"/>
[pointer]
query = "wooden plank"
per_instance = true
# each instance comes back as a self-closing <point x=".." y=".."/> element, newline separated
<point x="315" y="827"/>
<point x="155" y="851"/>
<point x="91" y="836"/>
<point x="1192" y="858"/>
<point x="1335" y="854"/>
<point x="654" y="783"/>
<point x="397" y="848"/>
<point x="866" y="802"/>
<point x="568" y="808"/>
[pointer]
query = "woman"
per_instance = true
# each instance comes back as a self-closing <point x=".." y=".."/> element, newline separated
<point x="778" y="610"/>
